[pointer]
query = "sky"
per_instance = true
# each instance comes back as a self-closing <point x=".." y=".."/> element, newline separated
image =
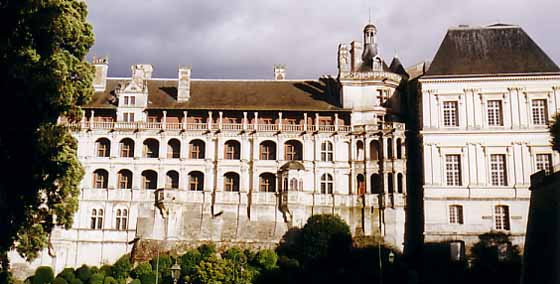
<point x="244" y="39"/>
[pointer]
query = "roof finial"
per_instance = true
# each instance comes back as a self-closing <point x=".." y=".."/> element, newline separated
<point x="369" y="20"/>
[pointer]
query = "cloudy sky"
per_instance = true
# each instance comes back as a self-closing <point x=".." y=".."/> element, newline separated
<point x="244" y="38"/>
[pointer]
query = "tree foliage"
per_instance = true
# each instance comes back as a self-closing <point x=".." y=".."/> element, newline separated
<point x="43" y="275"/>
<point x="43" y="76"/>
<point x="323" y="235"/>
<point x="555" y="132"/>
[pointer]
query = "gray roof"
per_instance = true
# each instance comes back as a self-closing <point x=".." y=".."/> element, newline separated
<point x="492" y="50"/>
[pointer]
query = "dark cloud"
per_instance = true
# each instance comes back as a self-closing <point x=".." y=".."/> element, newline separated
<point x="244" y="39"/>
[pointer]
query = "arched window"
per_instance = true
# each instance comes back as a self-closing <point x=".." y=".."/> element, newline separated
<point x="127" y="148"/>
<point x="100" y="178"/>
<point x="172" y="179"/>
<point x="293" y="184"/>
<point x="96" y="219"/>
<point x="196" y="181"/>
<point x="389" y="148"/>
<point x="326" y="151"/>
<point x="196" y="149"/>
<point x="455" y="214"/>
<point x="121" y="220"/>
<point x="267" y="150"/>
<point x="232" y="150"/>
<point x="375" y="150"/>
<point x="151" y="148"/>
<point x="501" y="215"/>
<point x="267" y="182"/>
<point x="173" y="149"/>
<point x="399" y="148"/>
<point x="124" y="179"/>
<point x="400" y="183"/>
<point x="361" y="184"/>
<point x="376" y="187"/>
<point x="292" y="150"/>
<point x="285" y="185"/>
<point x="390" y="184"/>
<point x="149" y="179"/>
<point x="326" y="184"/>
<point x="359" y="150"/>
<point x="231" y="182"/>
<point x="103" y="147"/>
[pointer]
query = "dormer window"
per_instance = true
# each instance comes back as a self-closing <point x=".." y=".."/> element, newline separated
<point x="129" y="100"/>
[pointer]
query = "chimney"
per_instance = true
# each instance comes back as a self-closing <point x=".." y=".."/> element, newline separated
<point x="101" y="67"/>
<point x="356" y="54"/>
<point x="184" y="84"/>
<point x="279" y="72"/>
<point x="141" y="73"/>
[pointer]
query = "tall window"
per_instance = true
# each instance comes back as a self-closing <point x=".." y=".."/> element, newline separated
<point x="96" y="219"/>
<point x="544" y="162"/>
<point x="399" y="148"/>
<point x="539" y="112"/>
<point x="100" y="178"/>
<point x="231" y="182"/>
<point x="376" y="184"/>
<point x="359" y="150"/>
<point x="292" y="150"/>
<point x="400" y="182"/>
<point x="127" y="148"/>
<point x="172" y="179"/>
<point x="495" y="113"/>
<point x="149" y="179"/>
<point x="293" y="184"/>
<point x="125" y="179"/>
<point x="390" y="148"/>
<point x="128" y="117"/>
<point x="103" y="147"/>
<point x="456" y="214"/>
<point x="196" y="181"/>
<point x="390" y="184"/>
<point x="453" y="170"/>
<point x="501" y="214"/>
<point x="375" y="150"/>
<point x="326" y="151"/>
<point x="151" y="148"/>
<point x="173" y="149"/>
<point x="267" y="150"/>
<point x="498" y="169"/>
<point x="232" y="149"/>
<point x="267" y="182"/>
<point x="326" y="184"/>
<point x="121" y="219"/>
<point x="450" y="114"/>
<point x="196" y="149"/>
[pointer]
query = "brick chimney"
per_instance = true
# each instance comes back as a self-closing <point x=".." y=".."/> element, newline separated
<point x="279" y="72"/>
<point x="184" y="84"/>
<point x="101" y="65"/>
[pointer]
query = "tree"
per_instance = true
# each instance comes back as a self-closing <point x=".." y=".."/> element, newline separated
<point x="43" y="76"/>
<point x="43" y="275"/>
<point x="555" y="132"/>
<point x="122" y="267"/>
<point x="324" y="235"/>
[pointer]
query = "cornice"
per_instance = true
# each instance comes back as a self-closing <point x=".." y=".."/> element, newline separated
<point x="544" y="77"/>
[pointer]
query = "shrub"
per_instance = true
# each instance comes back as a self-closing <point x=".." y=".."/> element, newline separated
<point x="96" y="278"/>
<point x="189" y="260"/>
<point x="135" y="281"/>
<point x="110" y="280"/>
<point x="266" y="259"/>
<point x="122" y="267"/>
<point x="148" y="278"/>
<point x="59" y="280"/>
<point x="76" y="281"/>
<point x="325" y="235"/>
<point x="106" y="269"/>
<point x="207" y="250"/>
<point x="235" y="254"/>
<point x="68" y="274"/>
<point x="141" y="269"/>
<point x="43" y="275"/>
<point x="83" y="273"/>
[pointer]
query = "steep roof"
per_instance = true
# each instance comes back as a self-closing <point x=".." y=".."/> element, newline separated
<point x="493" y="50"/>
<point x="319" y="95"/>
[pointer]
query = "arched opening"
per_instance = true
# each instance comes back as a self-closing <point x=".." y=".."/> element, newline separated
<point x="127" y="148"/>
<point x="293" y="150"/>
<point x="389" y="148"/>
<point x="390" y="186"/>
<point x="231" y="182"/>
<point x="267" y="182"/>
<point x="172" y="179"/>
<point x="399" y="148"/>
<point x="232" y="150"/>
<point x="361" y="182"/>
<point x="149" y="179"/>
<point x="124" y="179"/>
<point x="173" y="149"/>
<point x="103" y="147"/>
<point x="100" y="178"/>
<point x="400" y="183"/>
<point x="359" y="150"/>
<point x="375" y="150"/>
<point x="267" y="150"/>
<point x="293" y="184"/>
<point x="376" y="186"/>
<point x="327" y="184"/>
<point x="151" y="148"/>
<point x="196" y="181"/>
<point x="196" y="149"/>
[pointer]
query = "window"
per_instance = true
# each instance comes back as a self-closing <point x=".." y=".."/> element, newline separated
<point x="173" y="149"/>
<point x="498" y="169"/>
<point x="127" y="148"/>
<point x="103" y="147"/>
<point x="326" y="151"/>
<point x="196" y="149"/>
<point x="196" y="181"/>
<point x="453" y="170"/>
<point x="231" y="182"/>
<point x="544" y="162"/>
<point x="326" y="184"/>
<point x="267" y="150"/>
<point x="149" y="179"/>
<point x="456" y="214"/>
<point x="96" y="219"/>
<point x="495" y="113"/>
<point x="360" y="150"/>
<point x="151" y="148"/>
<point x="376" y="184"/>
<point x="450" y="114"/>
<point x="400" y="183"/>
<point x="172" y="180"/>
<point x="129" y="100"/>
<point x="292" y="150"/>
<point x="121" y="220"/>
<point x="128" y="117"/>
<point x="361" y="184"/>
<point x="539" y="112"/>
<point x="390" y="148"/>
<point x="502" y="217"/>
<point x="375" y="150"/>
<point x="293" y="184"/>
<point x="267" y="182"/>
<point x="125" y="179"/>
<point x="399" y="148"/>
<point x="232" y="149"/>
<point x="100" y="178"/>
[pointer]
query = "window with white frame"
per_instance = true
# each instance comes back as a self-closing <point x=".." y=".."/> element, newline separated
<point x="453" y="170"/>
<point x="121" y="219"/>
<point x="96" y="219"/>
<point x="501" y="215"/>
<point x="539" y="112"/>
<point x="326" y="184"/>
<point x="128" y="117"/>
<point x="544" y="162"/>
<point x="495" y="114"/>
<point x="450" y="113"/>
<point x="456" y="214"/>
<point x="326" y="151"/>
<point x="498" y="173"/>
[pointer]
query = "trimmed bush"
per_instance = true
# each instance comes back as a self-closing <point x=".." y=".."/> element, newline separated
<point x="189" y="261"/>
<point x="141" y="269"/>
<point x="122" y="267"/>
<point x="59" y="280"/>
<point x="76" y="281"/>
<point x="96" y="278"/>
<point x="135" y="281"/>
<point x="43" y="275"/>
<point x="84" y="273"/>
<point x="68" y="274"/>
<point x="235" y="254"/>
<point x="149" y="278"/>
<point x="266" y="259"/>
<point x="106" y="269"/>
<point x="110" y="280"/>
<point x="207" y="250"/>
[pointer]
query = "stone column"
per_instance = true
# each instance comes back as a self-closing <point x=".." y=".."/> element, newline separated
<point x="185" y="113"/>
<point x="336" y="122"/>
<point x="221" y="120"/>
<point x="280" y="121"/>
<point x="91" y="118"/>
<point x="244" y="120"/>
<point x="164" y="122"/>
<point x="256" y="121"/>
<point x="209" y="120"/>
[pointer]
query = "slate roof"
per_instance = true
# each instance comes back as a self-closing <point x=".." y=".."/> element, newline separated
<point x="493" y="50"/>
<point x="319" y="95"/>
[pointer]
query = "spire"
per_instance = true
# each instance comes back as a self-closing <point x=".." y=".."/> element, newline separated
<point x="370" y="44"/>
